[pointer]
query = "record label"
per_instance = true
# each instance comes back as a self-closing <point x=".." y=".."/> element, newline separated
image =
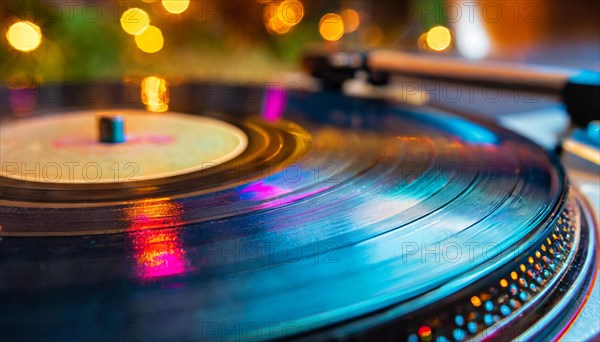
<point x="66" y="148"/>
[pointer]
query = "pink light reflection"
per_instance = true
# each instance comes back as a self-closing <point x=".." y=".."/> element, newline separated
<point x="261" y="190"/>
<point x="290" y="199"/>
<point x="22" y="100"/>
<point x="274" y="105"/>
<point x="155" y="239"/>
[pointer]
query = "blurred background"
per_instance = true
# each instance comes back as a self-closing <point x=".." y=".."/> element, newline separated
<point x="255" y="40"/>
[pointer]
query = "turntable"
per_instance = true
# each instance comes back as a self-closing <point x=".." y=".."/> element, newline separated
<point x="211" y="211"/>
<point x="335" y="218"/>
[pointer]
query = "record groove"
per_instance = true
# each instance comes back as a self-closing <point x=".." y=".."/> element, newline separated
<point x="331" y="231"/>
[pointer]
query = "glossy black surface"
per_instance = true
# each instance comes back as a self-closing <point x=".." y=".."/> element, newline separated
<point x="361" y="206"/>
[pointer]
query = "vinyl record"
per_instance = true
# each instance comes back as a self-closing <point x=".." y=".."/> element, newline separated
<point x="336" y="218"/>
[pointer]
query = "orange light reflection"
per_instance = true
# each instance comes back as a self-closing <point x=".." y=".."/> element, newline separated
<point x="155" y="239"/>
<point x="155" y="94"/>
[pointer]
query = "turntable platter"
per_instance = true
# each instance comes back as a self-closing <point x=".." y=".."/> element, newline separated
<point x="407" y="224"/>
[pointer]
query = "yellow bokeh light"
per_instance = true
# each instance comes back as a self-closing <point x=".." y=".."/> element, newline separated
<point x="331" y="27"/>
<point x="351" y="20"/>
<point x="135" y="21"/>
<point x="176" y="6"/>
<point x="155" y="94"/>
<point x="151" y="40"/>
<point x="439" y="38"/>
<point x="24" y="36"/>
<point x="272" y="20"/>
<point x="290" y="12"/>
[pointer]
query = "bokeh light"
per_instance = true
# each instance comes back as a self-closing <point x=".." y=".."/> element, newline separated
<point x="331" y="27"/>
<point x="439" y="38"/>
<point x="290" y="12"/>
<point x="135" y="21"/>
<point x="155" y="94"/>
<point x="351" y="20"/>
<point x="472" y="37"/>
<point x="425" y="333"/>
<point x="24" y="36"/>
<point x="476" y="301"/>
<point x="151" y="40"/>
<point x="176" y="6"/>
<point x="273" y="22"/>
<point x="422" y="42"/>
<point x="279" y="18"/>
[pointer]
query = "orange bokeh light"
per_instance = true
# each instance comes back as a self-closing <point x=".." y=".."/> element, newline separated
<point x="351" y="20"/>
<point x="279" y="18"/>
<point x="331" y="27"/>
